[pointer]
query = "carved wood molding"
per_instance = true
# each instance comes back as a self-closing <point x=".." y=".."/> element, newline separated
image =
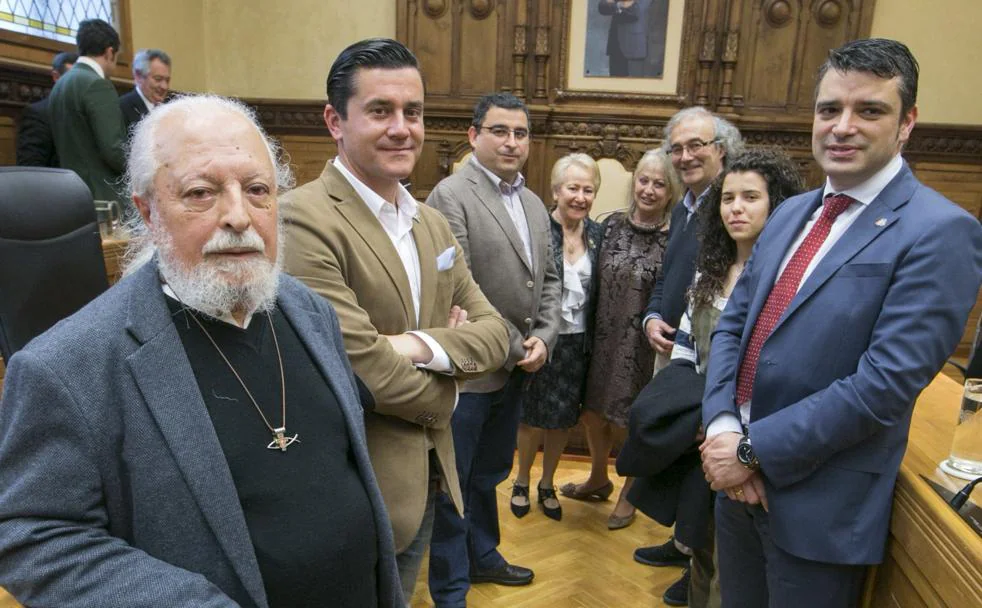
<point x="21" y="85"/>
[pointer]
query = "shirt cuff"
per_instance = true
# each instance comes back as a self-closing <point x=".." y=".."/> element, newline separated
<point x="440" y="361"/>
<point x="726" y="422"/>
<point x="644" y="321"/>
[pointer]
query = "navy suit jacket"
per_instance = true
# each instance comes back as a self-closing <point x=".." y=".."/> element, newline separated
<point x="114" y="489"/>
<point x="35" y="144"/>
<point x="838" y="377"/>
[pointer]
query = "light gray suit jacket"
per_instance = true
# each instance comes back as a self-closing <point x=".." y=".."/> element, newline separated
<point x="526" y="295"/>
<point x="114" y="490"/>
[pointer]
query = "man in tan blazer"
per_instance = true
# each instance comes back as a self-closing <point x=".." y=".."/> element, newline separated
<point x="504" y="231"/>
<point x="413" y="319"/>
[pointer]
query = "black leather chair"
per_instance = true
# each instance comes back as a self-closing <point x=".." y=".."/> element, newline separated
<point x="51" y="260"/>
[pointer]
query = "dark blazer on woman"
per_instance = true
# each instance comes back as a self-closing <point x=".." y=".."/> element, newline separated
<point x="593" y="236"/>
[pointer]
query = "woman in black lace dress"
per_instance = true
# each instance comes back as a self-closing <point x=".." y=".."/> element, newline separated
<point x="622" y="361"/>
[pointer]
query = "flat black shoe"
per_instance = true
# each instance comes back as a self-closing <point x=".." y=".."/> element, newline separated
<point x="544" y="495"/>
<point x="508" y="575"/>
<point x="678" y="593"/>
<point x="661" y="555"/>
<point x="518" y="491"/>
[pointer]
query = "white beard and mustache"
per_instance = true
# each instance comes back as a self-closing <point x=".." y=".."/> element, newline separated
<point x="218" y="287"/>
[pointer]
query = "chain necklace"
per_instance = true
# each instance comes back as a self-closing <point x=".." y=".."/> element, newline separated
<point x="281" y="441"/>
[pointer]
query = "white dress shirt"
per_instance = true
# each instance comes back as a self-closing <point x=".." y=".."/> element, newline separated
<point x="513" y="205"/>
<point x="397" y="221"/>
<point x="146" y="101"/>
<point x="863" y="194"/>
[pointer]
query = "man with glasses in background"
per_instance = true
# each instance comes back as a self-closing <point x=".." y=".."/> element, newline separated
<point x="700" y="145"/>
<point x="503" y="229"/>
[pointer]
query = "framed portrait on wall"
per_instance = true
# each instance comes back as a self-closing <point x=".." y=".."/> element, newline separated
<point x="636" y="48"/>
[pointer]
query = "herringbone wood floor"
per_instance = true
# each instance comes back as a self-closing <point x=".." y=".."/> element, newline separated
<point x="578" y="562"/>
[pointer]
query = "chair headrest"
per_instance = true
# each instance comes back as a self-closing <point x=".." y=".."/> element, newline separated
<point x="38" y="203"/>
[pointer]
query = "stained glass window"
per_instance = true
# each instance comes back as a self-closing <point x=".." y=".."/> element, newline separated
<point x="53" y="19"/>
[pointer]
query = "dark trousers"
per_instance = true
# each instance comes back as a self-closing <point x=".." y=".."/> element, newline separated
<point x="754" y="572"/>
<point x="485" y="429"/>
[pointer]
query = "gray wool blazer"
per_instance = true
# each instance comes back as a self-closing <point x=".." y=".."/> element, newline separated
<point x="528" y="296"/>
<point x="114" y="490"/>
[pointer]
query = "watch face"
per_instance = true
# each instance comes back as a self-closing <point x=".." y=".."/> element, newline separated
<point x="745" y="453"/>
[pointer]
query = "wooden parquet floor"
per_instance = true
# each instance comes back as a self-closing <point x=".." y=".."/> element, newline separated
<point x="578" y="562"/>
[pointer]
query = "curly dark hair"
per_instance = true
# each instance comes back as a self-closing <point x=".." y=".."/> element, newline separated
<point x="717" y="251"/>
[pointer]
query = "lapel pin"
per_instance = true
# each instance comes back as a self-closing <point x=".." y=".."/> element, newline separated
<point x="881" y="222"/>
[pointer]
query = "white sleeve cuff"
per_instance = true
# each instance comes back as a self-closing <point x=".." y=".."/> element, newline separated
<point x="440" y="361"/>
<point x="726" y="422"/>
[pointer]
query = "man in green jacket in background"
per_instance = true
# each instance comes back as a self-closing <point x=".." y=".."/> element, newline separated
<point x="86" y="122"/>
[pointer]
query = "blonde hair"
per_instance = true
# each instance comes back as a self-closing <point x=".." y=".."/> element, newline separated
<point x="577" y="159"/>
<point x="659" y="160"/>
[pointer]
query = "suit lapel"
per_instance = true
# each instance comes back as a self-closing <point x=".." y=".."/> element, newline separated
<point x="871" y="223"/>
<point x="427" y="251"/>
<point x="490" y="197"/>
<point x="356" y="212"/>
<point x="161" y="369"/>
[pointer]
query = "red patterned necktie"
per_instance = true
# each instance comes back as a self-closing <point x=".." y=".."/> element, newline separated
<point x="784" y="290"/>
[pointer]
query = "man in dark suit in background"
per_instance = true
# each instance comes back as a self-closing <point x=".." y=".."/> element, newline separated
<point x="848" y="308"/>
<point x="627" y="39"/>
<point x="35" y="145"/>
<point x="151" y="73"/>
<point x="86" y="122"/>
<point x="503" y="229"/>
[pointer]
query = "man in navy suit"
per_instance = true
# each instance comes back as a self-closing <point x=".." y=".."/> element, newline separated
<point x="854" y="297"/>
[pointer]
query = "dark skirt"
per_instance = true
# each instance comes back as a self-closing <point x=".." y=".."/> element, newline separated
<point x="554" y="393"/>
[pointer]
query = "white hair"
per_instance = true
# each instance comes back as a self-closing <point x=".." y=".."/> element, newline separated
<point x="142" y="163"/>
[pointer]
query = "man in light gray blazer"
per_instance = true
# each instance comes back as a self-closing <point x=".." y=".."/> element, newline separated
<point x="503" y="229"/>
<point x="193" y="437"/>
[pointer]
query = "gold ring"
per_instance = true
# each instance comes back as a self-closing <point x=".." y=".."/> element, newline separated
<point x="739" y="492"/>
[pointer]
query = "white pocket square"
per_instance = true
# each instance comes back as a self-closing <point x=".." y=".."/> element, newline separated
<point x="445" y="260"/>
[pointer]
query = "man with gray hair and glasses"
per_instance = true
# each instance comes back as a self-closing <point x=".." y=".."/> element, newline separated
<point x="151" y="73"/>
<point x="194" y="436"/>
<point x="700" y="144"/>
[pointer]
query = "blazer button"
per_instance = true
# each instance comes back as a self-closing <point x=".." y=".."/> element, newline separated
<point x="528" y="321"/>
<point x="530" y="284"/>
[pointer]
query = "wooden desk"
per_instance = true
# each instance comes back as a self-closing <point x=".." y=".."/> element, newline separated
<point x="933" y="557"/>
<point x="112" y="253"/>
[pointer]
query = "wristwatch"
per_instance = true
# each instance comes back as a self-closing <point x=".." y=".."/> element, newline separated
<point x="746" y="456"/>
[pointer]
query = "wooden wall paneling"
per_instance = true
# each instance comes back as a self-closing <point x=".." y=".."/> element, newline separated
<point x="773" y="28"/>
<point x="479" y="67"/>
<point x="730" y="53"/>
<point x="433" y="42"/>
<point x="8" y="141"/>
<point x="828" y="24"/>
<point x="708" y="50"/>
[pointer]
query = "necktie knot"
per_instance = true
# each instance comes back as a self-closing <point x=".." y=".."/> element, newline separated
<point x="835" y="204"/>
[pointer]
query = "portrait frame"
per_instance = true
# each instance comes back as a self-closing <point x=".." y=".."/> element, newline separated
<point x="681" y="50"/>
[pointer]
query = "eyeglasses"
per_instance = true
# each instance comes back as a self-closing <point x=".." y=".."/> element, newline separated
<point x="502" y="132"/>
<point x="693" y="147"/>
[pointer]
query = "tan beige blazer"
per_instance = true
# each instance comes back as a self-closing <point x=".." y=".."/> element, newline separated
<point x="528" y="295"/>
<point x="337" y="246"/>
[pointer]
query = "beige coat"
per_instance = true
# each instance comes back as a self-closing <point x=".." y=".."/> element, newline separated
<point x="337" y="246"/>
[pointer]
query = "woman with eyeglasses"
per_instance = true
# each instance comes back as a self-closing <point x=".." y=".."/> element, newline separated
<point x="622" y="361"/>
<point x="551" y="403"/>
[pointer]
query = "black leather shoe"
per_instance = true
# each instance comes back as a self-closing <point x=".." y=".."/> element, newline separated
<point x="661" y="555"/>
<point x="544" y="495"/>
<point x="509" y="575"/>
<point x="678" y="593"/>
<point x="518" y="491"/>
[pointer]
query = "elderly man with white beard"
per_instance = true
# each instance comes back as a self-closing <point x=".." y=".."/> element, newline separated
<point x="194" y="436"/>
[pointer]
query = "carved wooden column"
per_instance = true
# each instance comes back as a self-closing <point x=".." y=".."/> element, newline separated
<point x="707" y="52"/>
<point x="520" y="50"/>
<point x="730" y="51"/>
<point x="541" y="59"/>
